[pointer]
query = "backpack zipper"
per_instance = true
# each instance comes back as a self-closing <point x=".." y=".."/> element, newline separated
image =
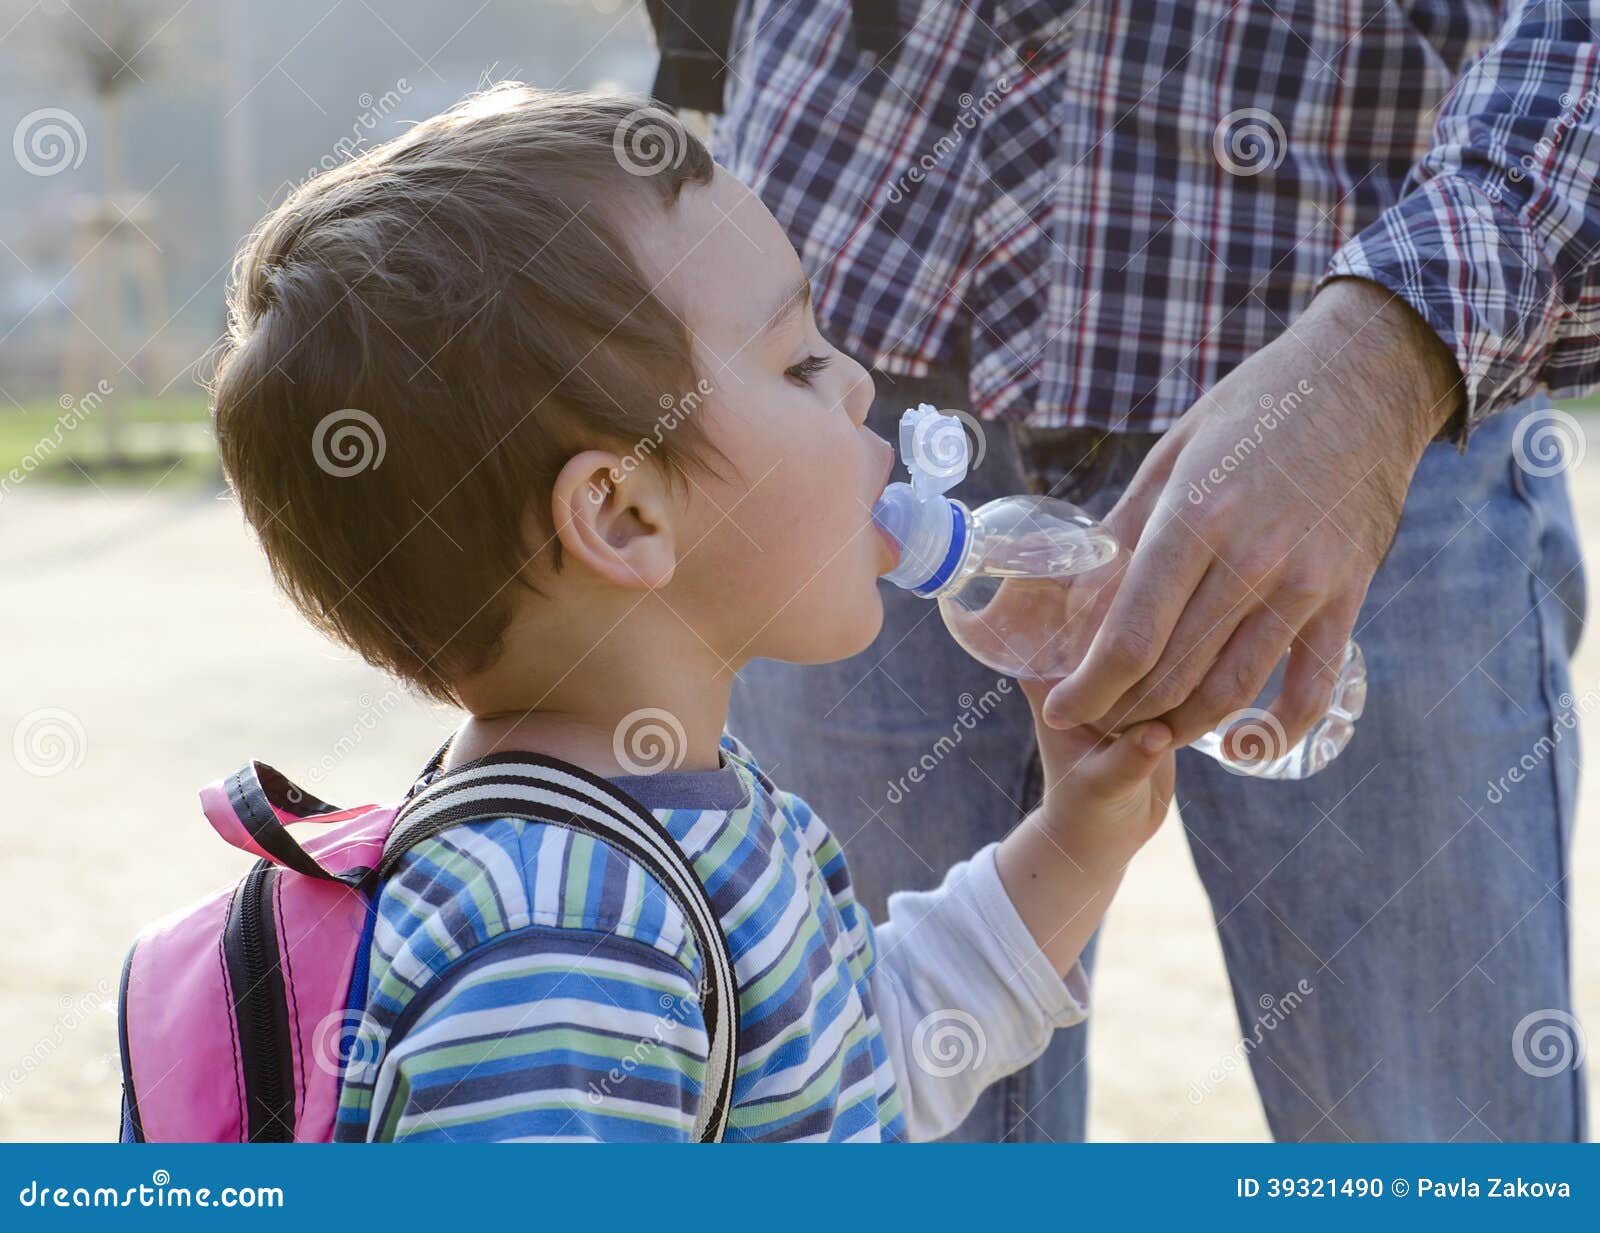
<point x="261" y="1013"/>
<point x="131" y="1129"/>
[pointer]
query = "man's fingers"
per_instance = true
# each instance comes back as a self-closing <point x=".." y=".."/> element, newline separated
<point x="1314" y="664"/>
<point x="1220" y="603"/>
<point x="1237" y="678"/>
<point x="1161" y="577"/>
<point x="1127" y="518"/>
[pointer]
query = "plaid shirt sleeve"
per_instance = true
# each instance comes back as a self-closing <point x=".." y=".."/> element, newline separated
<point x="1494" y="242"/>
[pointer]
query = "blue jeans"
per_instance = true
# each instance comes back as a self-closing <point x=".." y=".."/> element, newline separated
<point x="1403" y="913"/>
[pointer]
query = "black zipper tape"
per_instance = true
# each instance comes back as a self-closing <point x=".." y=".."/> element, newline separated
<point x="261" y="1010"/>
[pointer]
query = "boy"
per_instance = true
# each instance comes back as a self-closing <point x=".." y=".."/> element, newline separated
<point x="529" y="408"/>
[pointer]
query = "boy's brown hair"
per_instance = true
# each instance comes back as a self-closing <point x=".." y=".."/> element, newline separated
<point x="418" y="341"/>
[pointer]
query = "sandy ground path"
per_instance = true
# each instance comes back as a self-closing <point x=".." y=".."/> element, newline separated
<point x="144" y="635"/>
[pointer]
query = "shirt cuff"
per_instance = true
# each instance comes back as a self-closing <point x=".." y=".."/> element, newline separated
<point x="1476" y="275"/>
<point x="1063" y="1001"/>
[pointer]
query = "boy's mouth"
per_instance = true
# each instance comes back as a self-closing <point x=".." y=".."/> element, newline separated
<point x="891" y="548"/>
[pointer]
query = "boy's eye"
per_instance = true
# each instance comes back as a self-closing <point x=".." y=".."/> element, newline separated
<point x="807" y="368"/>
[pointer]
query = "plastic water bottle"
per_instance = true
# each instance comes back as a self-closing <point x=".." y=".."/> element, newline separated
<point x="1000" y="575"/>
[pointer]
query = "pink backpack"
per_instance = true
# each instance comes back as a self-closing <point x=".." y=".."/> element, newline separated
<point x="236" y="1015"/>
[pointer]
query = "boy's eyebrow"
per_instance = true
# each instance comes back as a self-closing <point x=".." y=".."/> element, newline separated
<point x="799" y="297"/>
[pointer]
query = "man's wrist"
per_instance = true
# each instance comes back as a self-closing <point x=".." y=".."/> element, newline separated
<point x="1385" y="346"/>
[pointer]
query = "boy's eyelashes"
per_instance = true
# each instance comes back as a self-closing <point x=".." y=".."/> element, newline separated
<point x="808" y="369"/>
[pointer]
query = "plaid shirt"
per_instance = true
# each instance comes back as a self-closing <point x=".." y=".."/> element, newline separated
<point x="1117" y="202"/>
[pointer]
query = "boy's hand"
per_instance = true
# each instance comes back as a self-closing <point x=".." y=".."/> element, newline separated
<point x="1104" y="795"/>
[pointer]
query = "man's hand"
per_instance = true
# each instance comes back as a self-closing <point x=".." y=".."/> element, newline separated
<point x="1257" y="522"/>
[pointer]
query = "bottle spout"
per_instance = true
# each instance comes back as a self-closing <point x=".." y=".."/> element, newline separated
<point x="931" y="535"/>
<point x="935" y="449"/>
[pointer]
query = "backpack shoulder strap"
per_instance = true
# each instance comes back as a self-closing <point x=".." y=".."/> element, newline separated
<point x="524" y="785"/>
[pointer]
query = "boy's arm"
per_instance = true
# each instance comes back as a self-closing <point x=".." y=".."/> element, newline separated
<point x="972" y="979"/>
<point x="964" y="993"/>
<point x="547" y="1034"/>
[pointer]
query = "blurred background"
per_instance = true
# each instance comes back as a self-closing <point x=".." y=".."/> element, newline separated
<point x="146" y="651"/>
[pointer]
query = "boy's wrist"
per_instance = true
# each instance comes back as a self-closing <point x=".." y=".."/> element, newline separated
<point x="1097" y="835"/>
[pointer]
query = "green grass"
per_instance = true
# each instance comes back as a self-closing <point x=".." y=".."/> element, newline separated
<point x="41" y="442"/>
<point x="1582" y="406"/>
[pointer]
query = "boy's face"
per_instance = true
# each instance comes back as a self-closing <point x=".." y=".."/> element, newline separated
<point x="779" y="557"/>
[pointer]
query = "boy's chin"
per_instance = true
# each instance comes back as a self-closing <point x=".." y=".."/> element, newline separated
<point x="833" y="636"/>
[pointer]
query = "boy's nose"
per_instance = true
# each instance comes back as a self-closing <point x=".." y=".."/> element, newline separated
<point x="858" y="398"/>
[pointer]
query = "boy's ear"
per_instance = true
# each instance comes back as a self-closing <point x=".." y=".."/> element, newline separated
<point x="616" y="519"/>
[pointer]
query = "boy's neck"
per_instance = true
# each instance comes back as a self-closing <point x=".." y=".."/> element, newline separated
<point x="659" y="725"/>
<point x="649" y="694"/>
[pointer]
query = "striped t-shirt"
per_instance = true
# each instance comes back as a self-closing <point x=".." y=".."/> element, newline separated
<point x="530" y="982"/>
